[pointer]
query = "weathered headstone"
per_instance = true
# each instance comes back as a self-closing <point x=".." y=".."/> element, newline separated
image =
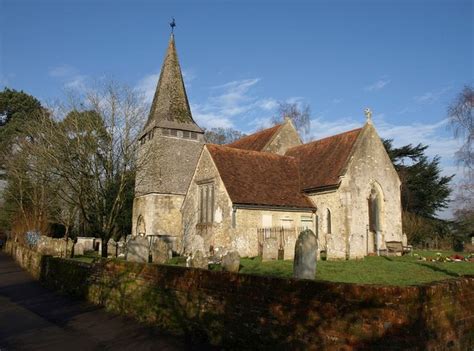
<point x="231" y="261"/>
<point x="304" y="265"/>
<point x="405" y="240"/>
<point x="289" y="248"/>
<point x="193" y="243"/>
<point x="87" y="243"/>
<point x="270" y="249"/>
<point x="336" y="247"/>
<point x="78" y="249"/>
<point x="199" y="260"/>
<point x="160" y="251"/>
<point x="112" y="248"/>
<point x="137" y="249"/>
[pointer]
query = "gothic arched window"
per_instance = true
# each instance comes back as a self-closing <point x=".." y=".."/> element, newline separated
<point x="328" y="221"/>
<point x="141" y="230"/>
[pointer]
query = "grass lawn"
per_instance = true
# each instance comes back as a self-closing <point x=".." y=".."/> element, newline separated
<point x="406" y="270"/>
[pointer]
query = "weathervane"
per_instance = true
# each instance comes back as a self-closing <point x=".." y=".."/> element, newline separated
<point x="368" y="115"/>
<point x="172" y="25"/>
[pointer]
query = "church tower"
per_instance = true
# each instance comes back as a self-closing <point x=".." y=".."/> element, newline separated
<point x="170" y="145"/>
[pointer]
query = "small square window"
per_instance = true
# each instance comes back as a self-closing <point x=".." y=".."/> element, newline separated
<point x="194" y="135"/>
<point x="185" y="134"/>
<point x="173" y="132"/>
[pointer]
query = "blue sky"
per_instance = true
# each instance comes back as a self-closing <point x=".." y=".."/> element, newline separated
<point x="406" y="60"/>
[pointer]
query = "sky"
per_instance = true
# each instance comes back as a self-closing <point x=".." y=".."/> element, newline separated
<point x="406" y="60"/>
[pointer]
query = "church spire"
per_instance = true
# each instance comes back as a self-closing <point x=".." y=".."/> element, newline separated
<point x="170" y="106"/>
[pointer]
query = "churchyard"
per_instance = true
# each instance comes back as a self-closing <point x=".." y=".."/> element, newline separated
<point x="421" y="267"/>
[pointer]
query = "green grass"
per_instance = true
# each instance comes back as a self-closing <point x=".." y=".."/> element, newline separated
<point x="406" y="270"/>
<point x="88" y="257"/>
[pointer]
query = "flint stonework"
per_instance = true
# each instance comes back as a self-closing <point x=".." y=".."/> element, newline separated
<point x="304" y="266"/>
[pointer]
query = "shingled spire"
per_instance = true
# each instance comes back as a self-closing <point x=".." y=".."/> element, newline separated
<point x="170" y="107"/>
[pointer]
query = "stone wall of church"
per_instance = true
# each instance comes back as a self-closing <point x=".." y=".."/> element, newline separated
<point x="370" y="168"/>
<point x="247" y="221"/>
<point x="334" y="243"/>
<point x="225" y="232"/>
<point x="199" y="236"/>
<point x="161" y="215"/>
<point x="287" y="137"/>
<point x="166" y="163"/>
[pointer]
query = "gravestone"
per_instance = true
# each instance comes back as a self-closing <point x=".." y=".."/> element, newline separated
<point x="137" y="249"/>
<point x="160" y="251"/>
<point x="78" y="249"/>
<point x="336" y="246"/>
<point x="405" y="239"/>
<point x="270" y="249"/>
<point x="231" y="262"/>
<point x="304" y="265"/>
<point x="199" y="260"/>
<point x="112" y="248"/>
<point x="289" y="248"/>
<point x="86" y="242"/>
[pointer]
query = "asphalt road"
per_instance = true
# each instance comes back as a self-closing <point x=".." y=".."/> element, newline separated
<point x="35" y="318"/>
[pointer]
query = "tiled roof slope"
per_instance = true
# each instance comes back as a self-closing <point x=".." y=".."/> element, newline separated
<point x="259" y="178"/>
<point x="170" y="106"/>
<point x="256" y="141"/>
<point x="322" y="161"/>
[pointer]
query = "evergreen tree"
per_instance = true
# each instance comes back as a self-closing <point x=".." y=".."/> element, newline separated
<point x="424" y="190"/>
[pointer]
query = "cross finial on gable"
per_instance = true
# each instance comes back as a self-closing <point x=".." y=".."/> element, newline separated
<point x="368" y="115"/>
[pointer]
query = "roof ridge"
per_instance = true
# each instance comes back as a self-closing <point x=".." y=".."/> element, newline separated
<point x="325" y="138"/>
<point x="247" y="151"/>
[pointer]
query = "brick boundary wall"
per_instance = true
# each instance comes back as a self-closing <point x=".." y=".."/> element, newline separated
<point x="254" y="312"/>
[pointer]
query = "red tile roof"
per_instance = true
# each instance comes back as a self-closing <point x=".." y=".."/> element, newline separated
<point x="323" y="161"/>
<point x="256" y="141"/>
<point x="259" y="178"/>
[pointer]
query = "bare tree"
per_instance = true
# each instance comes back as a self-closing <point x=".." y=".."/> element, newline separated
<point x="462" y="122"/>
<point x="300" y="115"/>
<point x="92" y="153"/>
<point x="222" y="135"/>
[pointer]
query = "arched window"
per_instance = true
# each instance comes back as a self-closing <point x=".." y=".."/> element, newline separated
<point x="328" y="221"/>
<point x="141" y="230"/>
<point x="374" y="211"/>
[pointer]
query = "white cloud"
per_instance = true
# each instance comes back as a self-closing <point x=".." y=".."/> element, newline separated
<point x="431" y="96"/>
<point x="147" y="86"/>
<point x="336" y="101"/>
<point x="70" y="77"/>
<point x="62" y="71"/>
<point x="378" y="85"/>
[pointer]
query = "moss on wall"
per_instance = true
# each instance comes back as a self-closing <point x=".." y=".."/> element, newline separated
<point x="245" y="311"/>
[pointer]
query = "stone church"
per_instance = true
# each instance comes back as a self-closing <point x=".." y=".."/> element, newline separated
<point x="263" y="189"/>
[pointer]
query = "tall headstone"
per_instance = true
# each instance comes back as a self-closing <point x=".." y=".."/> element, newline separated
<point x="112" y="248"/>
<point x="289" y="249"/>
<point x="304" y="265"/>
<point x="138" y="249"/>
